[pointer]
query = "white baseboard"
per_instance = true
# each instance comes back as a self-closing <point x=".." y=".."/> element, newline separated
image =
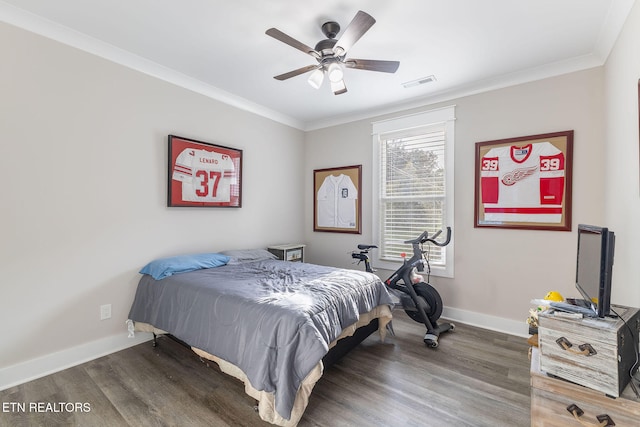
<point x="36" y="368"/>
<point x="485" y="321"/>
<point x="55" y="362"/>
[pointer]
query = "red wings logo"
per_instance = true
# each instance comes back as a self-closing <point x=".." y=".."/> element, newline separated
<point x="518" y="175"/>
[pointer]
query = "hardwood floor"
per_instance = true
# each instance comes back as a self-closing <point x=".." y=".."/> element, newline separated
<point x="474" y="378"/>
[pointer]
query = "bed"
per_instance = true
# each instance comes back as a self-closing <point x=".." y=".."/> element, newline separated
<point x="272" y="324"/>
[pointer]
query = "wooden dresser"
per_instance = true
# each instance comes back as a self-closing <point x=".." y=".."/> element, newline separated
<point x="580" y="371"/>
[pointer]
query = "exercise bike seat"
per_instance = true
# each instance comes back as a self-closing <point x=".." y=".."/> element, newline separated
<point x="366" y="247"/>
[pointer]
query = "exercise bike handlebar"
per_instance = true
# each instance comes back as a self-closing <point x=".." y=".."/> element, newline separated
<point x="424" y="237"/>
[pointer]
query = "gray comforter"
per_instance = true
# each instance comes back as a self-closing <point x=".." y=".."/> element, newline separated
<point x="272" y="319"/>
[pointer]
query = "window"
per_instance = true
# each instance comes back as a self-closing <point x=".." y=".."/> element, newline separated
<point x="413" y="185"/>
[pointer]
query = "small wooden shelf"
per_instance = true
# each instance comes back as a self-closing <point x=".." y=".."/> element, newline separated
<point x="291" y="252"/>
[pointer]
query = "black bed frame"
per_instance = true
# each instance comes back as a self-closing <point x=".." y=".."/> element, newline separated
<point x="346" y="344"/>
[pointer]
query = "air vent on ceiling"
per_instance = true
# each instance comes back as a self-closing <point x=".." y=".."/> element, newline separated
<point x="420" y="81"/>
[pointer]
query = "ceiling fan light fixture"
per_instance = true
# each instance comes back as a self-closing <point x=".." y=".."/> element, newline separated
<point x="338" y="87"/>
<point x="334" y="70"/>
<point x="316" y="78"/>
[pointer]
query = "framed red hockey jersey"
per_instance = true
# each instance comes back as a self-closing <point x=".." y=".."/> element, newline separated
<point x="203" y="174"/>
<point x="524" y="182"/>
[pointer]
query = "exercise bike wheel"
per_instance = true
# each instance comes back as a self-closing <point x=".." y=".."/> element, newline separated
<point x="432" y="297"/>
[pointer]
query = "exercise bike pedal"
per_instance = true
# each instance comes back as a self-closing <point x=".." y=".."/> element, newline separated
<point x="431" y="340"/>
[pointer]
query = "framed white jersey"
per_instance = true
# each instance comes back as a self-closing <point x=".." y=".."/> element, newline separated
<point x="337" y="199"/>
<point x="202" y="174"/>
<point x="336" y="202"/>
<point x="524" y="182"/>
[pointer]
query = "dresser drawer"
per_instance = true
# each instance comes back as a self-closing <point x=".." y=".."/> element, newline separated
<point x="580" y="359"/>
<point x="550" y="399"/>
<point x="593" y="352"/>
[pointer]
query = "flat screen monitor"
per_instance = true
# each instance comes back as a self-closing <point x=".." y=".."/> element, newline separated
<point x="595" y="266"/>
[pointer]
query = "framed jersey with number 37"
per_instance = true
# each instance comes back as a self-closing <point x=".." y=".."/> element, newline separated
<point x="203" y="175"/>
<point x="525" y="182"/>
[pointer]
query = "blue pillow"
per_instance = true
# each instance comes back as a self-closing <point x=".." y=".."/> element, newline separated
<point x="164" y="267"/>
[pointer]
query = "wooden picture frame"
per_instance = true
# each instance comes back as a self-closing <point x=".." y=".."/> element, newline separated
<point x="337" y="199"/>
<point x="201" y="174"/>
<point x="524" y="182"/>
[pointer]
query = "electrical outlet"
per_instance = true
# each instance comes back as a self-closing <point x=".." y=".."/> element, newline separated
<point x="105" y="311"/>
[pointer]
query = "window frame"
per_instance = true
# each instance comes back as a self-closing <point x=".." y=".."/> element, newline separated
<point x="446" y="116"/>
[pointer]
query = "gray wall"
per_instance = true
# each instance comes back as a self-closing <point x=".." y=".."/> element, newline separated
<point x="83" y="167"/>
<point x="621" y="159"/>
<point x="497" y="272"/>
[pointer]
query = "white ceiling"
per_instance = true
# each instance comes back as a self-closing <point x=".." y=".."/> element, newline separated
<point x="219" y="48"/>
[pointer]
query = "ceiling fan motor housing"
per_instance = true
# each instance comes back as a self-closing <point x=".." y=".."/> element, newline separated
<point x="325" y="47"/>
<point x="331" y="29"/>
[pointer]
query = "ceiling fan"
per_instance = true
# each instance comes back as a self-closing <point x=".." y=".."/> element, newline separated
<point x="331" y="53"/>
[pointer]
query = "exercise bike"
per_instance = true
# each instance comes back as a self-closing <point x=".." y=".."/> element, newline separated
<point x="420" y="300"/>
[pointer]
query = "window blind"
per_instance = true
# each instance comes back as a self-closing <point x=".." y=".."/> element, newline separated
<point x="412" y="189"/>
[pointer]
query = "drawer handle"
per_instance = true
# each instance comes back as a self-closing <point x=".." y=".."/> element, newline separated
<point x="604" y="420"/>
<point x="584" y="349"/>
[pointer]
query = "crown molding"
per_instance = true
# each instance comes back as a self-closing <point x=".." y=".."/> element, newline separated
<point x="481" y="86"/>
<point x="614" y="21"/>
<point x="52" y="30"/>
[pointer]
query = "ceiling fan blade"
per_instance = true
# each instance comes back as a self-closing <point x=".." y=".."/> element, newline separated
<point x="356" y="29"/>
<point x="372" y="65"/>
<point x="279" y="35"/>
<point x="338" y="87"/>
<point x="297" y="72"/>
